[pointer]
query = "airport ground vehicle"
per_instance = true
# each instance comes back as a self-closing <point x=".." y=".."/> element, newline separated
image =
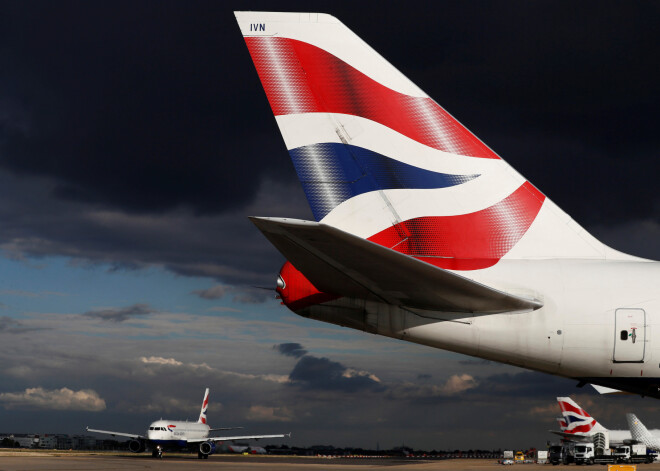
<point x="541" y="456"/>
<point x="584" y="453"/>
<point x="507" y="455"/>
<point x="560" y="454"/>
<point x="520" y="457"/>
<point x="633" y="454"/>
<point x="636" y="453"/>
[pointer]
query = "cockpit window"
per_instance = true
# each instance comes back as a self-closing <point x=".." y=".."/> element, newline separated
<point x="151" y="428"/>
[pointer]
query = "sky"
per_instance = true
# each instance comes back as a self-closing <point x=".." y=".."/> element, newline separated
<point x="135" y="139"/>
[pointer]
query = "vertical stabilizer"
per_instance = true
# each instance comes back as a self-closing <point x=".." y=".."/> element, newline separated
<point x="380" y="159"/>
<point x="205" y="405"/>
<point x="578" y="421"/>
<point x="639" y="432"/>
<point x="562" y="423"/>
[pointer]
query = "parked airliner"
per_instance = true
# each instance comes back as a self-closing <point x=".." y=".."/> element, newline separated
<point x="576" y="424"/>
<point x="423" y="233"/>
<point x="181" y="434"/>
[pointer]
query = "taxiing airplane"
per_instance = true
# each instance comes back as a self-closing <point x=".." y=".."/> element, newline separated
<point x="180" y="434"/>
<point x="423" y="233"/>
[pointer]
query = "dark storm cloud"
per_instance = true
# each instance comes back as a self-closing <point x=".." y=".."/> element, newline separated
<point x="526" y="384"/>
<point x="320" y="373"/>
<point x="290" y="349"/>
<point x="120" y="314"/>
<point x="132" y="107"/>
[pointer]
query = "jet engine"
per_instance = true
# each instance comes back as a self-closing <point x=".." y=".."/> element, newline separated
<point x="136" y="446"/>
<point x="207" y="448"/>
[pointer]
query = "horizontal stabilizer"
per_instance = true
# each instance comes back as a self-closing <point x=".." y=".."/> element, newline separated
<point x="608" y="391"/>
<point x="340" y="263"/>
<point x="572" y="436"/>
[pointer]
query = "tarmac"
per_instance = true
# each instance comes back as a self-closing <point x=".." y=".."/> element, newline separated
<point x="65" y="461"/>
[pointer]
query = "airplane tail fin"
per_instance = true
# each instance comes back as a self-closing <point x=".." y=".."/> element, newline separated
<point x="578" y="422"/>
<point x="378" y="158"/>
<point x="205" y="405"/>
<point x="638" y="430"/>
<point x="563" y="425"/>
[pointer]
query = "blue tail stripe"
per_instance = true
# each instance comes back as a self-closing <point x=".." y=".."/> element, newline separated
<point x="332" y="173"/>
<point x="572" y="419"/>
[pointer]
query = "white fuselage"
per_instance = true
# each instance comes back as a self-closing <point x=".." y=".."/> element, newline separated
<point x="170" y="431"/>
<point x="618" y="437"/>
<point x="585" y="306"/>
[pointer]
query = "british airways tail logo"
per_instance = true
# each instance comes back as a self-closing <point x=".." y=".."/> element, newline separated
<point x="577" y="421"/>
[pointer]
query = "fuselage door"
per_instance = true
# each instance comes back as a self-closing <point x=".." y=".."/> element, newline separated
<point x="629" y="335"/>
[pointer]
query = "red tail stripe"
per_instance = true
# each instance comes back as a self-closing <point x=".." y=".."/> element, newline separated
<point x="301" y="78"/>
<point x="582" y="428"/>
<point x="566" y="407"/>
<point x="469" y="241"/>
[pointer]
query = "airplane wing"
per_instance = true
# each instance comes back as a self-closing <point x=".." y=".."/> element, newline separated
<point x="246" y="437"/>
<point x="341" y="263"/>
<point x="118" y="434"/>
<point x="224" y="428"/>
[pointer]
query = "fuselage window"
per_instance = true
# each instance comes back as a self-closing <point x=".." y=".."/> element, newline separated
<point x="624" y="335"/>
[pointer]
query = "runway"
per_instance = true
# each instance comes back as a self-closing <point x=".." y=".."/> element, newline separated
<point x="41" y="461"/>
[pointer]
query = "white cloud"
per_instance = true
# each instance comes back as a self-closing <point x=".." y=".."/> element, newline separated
<point x="458" y="383"/>
<point x="172" y="362"/>
<point x="55" y="399"/>
<point x="161" y="361"/>
<point x="352" y="373"/>
<point x="265" y="377"/>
